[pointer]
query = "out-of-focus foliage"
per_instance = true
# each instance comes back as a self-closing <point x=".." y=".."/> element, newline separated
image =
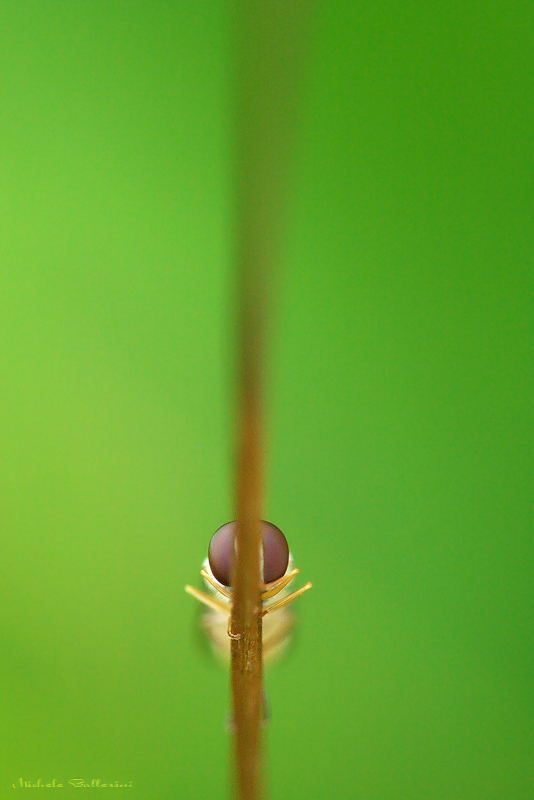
<point x="400" y="403"/>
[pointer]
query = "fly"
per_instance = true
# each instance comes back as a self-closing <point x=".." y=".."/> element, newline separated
<point x="278" y="572"/>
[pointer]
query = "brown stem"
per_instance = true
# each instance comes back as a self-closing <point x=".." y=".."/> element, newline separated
<point x="269" y="35"/>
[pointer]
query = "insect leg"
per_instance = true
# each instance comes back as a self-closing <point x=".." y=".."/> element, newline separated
<point x="280" y="585"/>
<point x="212" y="602"/>
<point x="285" y="600"/>
<point x="216" y="586"/>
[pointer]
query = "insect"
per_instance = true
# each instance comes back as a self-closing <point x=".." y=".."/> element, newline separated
<point x="278" y="572"/>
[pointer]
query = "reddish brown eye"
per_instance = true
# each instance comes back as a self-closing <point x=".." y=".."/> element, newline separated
<point x="275" y="552"/>
<point x="221" y="552"/>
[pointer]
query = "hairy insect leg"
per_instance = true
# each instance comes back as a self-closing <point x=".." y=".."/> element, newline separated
<point x="215" y="585"/>
<point x="285" y="600"/>
<point x="211" y="602"/>
<point x="279" y="585"/>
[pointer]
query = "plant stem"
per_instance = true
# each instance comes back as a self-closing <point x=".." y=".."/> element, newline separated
<point x="269" y="35"/>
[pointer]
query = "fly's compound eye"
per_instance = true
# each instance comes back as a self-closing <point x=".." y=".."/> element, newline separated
<point x="275" y="552"/>
<point x="221" y="553"/>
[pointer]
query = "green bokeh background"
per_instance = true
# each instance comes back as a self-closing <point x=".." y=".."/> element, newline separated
<point x="400" y="454"/>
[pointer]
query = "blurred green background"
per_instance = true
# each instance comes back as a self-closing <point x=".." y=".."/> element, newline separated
<point x="400" y="454"/>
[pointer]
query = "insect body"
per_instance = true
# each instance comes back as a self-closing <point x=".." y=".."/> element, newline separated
<point x="278" y="572"/>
